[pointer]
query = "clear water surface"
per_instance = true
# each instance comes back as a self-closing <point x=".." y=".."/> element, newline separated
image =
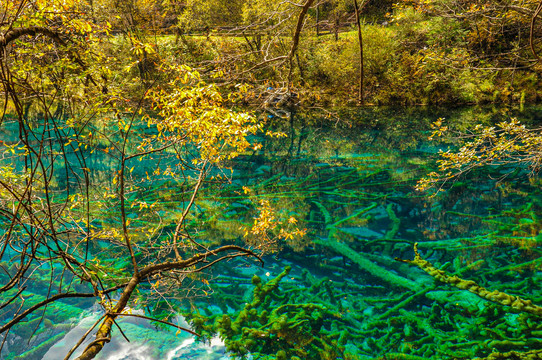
<point x="350" y="183"/>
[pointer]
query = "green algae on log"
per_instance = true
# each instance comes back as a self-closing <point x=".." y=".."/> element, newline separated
<point x="369" y="266"/>
<point x="38" y="350"/>
<point x="395" y="223"/>
<point x="393" y="356"/>
<point x="290" y="330"/>
<point x="515" y="355"/>
<point x="495" y="296"/>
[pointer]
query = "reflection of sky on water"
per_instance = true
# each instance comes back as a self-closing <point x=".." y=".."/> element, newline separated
<point x="146" y="343"/>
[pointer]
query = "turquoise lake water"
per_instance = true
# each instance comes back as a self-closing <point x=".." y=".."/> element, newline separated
<point x="349" y="182"/>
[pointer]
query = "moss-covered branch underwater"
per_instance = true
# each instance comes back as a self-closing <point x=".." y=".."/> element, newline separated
<point x="514" y="303"/>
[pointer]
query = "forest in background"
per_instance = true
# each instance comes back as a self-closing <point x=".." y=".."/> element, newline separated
<point x="423" y="52"/>
<point x="414" y="52"/>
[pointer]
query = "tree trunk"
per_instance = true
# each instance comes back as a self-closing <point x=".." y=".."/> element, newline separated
<point x="317" y="20"/>
<point x="360" y="39"/>
<point x="295" y="37"/>
<point x="336" y="25"/>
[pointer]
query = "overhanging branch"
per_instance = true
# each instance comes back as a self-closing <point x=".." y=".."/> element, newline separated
<point x="15" y="34"/>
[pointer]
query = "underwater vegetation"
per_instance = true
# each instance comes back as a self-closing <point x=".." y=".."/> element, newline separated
<point x="339" y="293"/>
<point x="276" y="324"/>
<point x="516" y="304"/>
<point x="368" y="305"/>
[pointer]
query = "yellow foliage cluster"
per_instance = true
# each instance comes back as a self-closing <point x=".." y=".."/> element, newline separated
<point x="193" y="111"/>
<point x="267" y="230"/>
<point x="506" y="143"/>
<point x="418" y="5"/>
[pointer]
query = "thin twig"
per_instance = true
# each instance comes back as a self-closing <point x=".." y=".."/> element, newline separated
<point x="160" y="321"/>
<point x="83" y="338"/>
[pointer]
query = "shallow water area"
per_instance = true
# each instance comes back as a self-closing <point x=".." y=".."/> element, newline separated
<point x="145" y="344"/>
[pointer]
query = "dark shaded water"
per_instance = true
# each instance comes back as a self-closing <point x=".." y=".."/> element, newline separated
<point x="351" y="185"/>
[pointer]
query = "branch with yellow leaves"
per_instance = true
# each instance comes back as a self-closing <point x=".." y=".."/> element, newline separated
<point x="507" y="143"/>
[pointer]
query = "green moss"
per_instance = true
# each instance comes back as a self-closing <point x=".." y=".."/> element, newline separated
<point x="275" y="326"/>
